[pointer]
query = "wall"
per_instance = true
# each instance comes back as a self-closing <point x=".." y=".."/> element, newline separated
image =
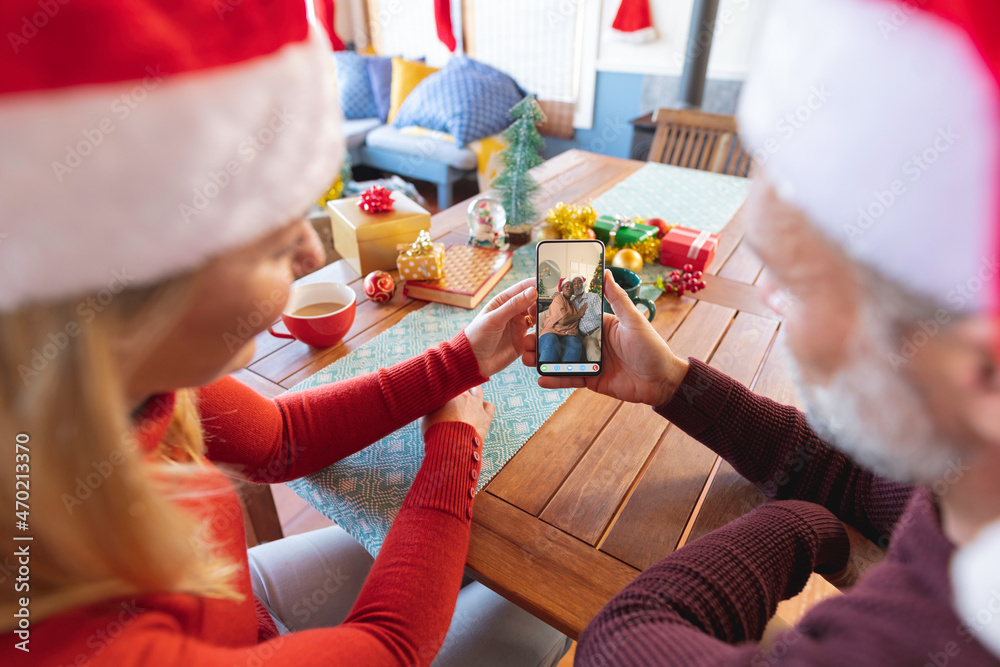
<point x="736" y="29"/>
<point x="617" y="101"/>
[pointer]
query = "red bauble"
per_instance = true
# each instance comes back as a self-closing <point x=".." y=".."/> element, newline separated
<point x="591" y="234"/>
<point x="376" y="199"/>
<point x="660" y="224"/>
<point x="379" y="286"/>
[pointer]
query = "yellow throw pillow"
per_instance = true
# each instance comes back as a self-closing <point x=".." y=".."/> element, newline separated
<point x="405" y="77"/>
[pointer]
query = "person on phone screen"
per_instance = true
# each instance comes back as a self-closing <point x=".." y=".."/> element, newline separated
<point x="590" y="323"/>
<point x="559" y="338"/>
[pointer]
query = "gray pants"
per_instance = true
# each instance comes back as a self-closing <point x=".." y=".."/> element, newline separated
<point x="312" y="580"/>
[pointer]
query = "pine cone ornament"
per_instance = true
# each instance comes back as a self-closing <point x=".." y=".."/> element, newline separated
<point x="376" y="199"/>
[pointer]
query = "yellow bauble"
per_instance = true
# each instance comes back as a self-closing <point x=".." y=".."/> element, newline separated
<point x="545" y="232"/>
<point x="626" y="258"/>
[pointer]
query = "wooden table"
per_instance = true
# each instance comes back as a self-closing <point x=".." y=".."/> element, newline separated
<point x="604" y="489"/>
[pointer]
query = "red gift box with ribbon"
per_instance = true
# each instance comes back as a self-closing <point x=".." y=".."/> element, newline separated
<point x="682" y="245"/>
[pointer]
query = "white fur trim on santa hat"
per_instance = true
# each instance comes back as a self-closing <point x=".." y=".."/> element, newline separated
<point x="152" y="177"/>
<point x="975" y="580"/>
<point x="880" y="122"/>
<point x="641" y="36"/>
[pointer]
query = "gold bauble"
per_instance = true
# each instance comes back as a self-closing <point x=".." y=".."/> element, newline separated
<point x="626" y="258"/>
<point x="545" y="232"/>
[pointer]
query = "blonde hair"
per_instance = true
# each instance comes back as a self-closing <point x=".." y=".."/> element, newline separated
<point x="104" y="516"/>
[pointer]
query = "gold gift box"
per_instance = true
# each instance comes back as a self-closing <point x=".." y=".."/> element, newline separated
<point x="368" y="240"/>
<point x="427" y="266"/>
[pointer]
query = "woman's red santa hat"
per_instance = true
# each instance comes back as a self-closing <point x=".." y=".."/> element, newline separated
<point x="881" y="121"/>
<point x="142" y="138"/>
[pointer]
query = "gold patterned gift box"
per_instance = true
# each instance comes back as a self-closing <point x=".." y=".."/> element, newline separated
<point x="421" y="260"/>
<point x="368" y="241"/>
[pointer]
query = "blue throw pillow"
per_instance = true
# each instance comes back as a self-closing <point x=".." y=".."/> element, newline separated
<point x="466" y="99"/>
<point x="354" y="86"/>
<point x="380" y="73"/>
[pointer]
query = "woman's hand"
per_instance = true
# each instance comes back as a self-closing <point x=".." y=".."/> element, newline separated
<point x="497" y="334"/>
<point x="468" y="407"/>
<point x="638" y="365"/>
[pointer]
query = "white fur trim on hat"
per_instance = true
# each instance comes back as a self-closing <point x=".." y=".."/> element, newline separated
<point x="152" y="177"/>
<point x="880" y="122"/>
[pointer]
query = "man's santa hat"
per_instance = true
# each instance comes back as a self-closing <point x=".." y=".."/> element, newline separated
<point x="881" y="121"/>
<point x="145" y="137"/>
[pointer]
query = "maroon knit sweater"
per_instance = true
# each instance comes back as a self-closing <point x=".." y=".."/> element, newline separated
<point x="708" y="603"/>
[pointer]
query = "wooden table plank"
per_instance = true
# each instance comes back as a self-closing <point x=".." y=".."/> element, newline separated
<point x="293" y="357"/>
<point x="532" y="477"/>
<point x="735" y="294"/>
<point x="540" y="568"/>
<point x="591" y="495"/>
<point x="653" y="521"/>
<point x="332" y="354"/>
<point x="261" y="385"/>
<point x="743" y="265"/>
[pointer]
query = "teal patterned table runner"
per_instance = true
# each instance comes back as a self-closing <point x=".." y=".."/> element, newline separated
<point x="363" y="493"/>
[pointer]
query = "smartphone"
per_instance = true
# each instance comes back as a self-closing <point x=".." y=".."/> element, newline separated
<point x="569" y="328"/>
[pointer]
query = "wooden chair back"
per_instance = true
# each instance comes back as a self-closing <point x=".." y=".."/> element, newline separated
<point x="699" y="140"/>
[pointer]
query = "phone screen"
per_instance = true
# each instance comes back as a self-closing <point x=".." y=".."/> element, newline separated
<point x="570" y="307"/>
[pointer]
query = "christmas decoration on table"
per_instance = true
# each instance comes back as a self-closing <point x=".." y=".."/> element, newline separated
<point x="572" y="222"/>
<point x="376" y="199"/>
<point x="379" y="286"/>
<point x="682" y="245"/>
<point x="679" y="282"/>
<point x="514" y="184"/>
<point x="368" y="241"/>
<point x="623" y="231"/>
<point x="545" y="232"/>
<point x="469" y="274"/>
<point x="421" y="260"/>
<point x="627" y="258"/>
<point x="487" y="219"/>
<point x="661" y="226"/>
<point x="620" y="232"/>
<point x="634" y="23"/>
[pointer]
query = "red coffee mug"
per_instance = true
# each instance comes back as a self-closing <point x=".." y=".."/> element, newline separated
<point x="323" y="330"/>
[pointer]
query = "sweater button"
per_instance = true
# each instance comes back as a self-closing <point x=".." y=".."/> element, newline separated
<point x="472" y="492"/>
<point x="473" y="475"/>
<point x="469" y="513"/>
<point x="476" y="456"/>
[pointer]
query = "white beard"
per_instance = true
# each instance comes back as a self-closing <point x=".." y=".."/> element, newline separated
<point x="872" y="413"/>
<point x="975" y="581"/>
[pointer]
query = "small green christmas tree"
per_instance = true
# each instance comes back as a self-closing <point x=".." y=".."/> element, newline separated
<point x="598" y="279"/>
<point x="514" y="185"/>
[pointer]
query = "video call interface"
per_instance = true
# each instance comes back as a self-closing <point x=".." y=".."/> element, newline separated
<point x="570" y="307"/>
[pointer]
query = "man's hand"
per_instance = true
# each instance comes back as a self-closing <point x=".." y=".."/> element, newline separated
<point x="468" y="407"/>
<point x="638" y="365"/>
<point x="497" y="334"/>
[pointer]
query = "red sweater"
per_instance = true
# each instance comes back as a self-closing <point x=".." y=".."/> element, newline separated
<point x="405" y="607"/>
<point x="708" y="603"/>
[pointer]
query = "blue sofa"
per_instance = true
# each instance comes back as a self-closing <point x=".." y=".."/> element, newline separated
<point x="381" y="146"/>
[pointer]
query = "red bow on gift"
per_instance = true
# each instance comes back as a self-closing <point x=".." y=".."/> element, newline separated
<point x="376" y="199"/>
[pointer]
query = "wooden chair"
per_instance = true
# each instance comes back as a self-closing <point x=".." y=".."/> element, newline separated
<point x="699" y="140"/>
